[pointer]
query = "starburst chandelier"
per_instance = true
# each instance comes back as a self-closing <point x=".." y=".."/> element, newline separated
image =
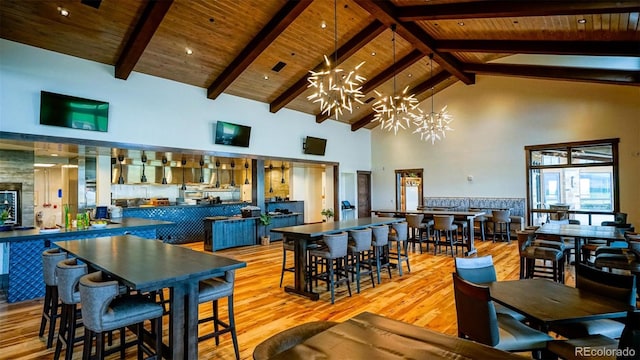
<point x="397" y="110"/>
<point x="334" y="88"/>
<point x="434" y="125"/>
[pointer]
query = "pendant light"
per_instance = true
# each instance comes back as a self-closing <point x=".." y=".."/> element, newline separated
<point x="183" y="162"/>
<point x="233" y="176"/>
<point x="164" y="162"/>
<point x="143" y="178"/>
<point x="217" y="174"/>
<point x="270" y="177"/>
<point x="246" y="172"/>
<point x="201" y="165"/>
<point x="120" y="178"/>
<point x="282" y="171"/>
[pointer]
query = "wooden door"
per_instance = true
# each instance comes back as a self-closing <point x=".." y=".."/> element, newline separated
<point x="364" y="194"/>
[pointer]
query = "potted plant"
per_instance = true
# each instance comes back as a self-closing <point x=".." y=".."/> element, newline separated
<point x="4" y="215"/>
<point x="327" y="213"/>
<point x="265" y="220"/>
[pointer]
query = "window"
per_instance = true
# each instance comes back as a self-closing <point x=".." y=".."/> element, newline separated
<point x="580" y="176"/>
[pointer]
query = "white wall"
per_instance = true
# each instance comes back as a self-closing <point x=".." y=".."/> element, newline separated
<point x="493" y="121"/>
<point x="152" y="111"/>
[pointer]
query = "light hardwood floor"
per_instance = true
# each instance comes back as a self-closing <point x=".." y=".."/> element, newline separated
<point x="423" y="297"/>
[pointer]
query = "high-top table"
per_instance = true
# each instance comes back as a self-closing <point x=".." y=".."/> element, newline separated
<point x="468" y="215"/>
<point x="302" y="234"/>
<point x="146" y="265"/>
<point x="371" y="336"/>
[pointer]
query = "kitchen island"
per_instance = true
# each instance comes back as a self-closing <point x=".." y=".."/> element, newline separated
<point x="25" y="247"/>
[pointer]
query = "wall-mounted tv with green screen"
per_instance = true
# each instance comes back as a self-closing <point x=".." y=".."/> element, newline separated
<point x="73" y="112"/>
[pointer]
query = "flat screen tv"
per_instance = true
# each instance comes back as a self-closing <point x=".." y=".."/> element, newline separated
<point x="232" y="134"/>
<point x="314" y="145"/>
<point x="73" y="112"/>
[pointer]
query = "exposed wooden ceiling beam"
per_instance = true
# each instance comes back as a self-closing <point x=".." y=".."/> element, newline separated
<point x="604" y="76"/>
<point x="349" y="48"/>
<point x="514" y="8"/>
<point x="597" y="48"/>
<point x="386" y="12"/>
<point x="385" y="75"/>
<point x="147" y="25"/>
<point x="287" y="14"/>
<point x="417" y="90"/>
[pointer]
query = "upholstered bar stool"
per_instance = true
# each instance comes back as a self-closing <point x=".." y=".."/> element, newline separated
<point x="69" y="272"/>
<point x="443" y="225"/>
<point x="533" y="251"/>
<point x="380" y="243"/>
<point x="400" y="253"/>
<point x="334" y="256"/>
<point x="361" y="254"/>
<point x="103" y="311"/>
<point x="502" y="219"/>
<point x="418" y="227"/>
<point x="212" y="290"/>
<point x="50" y="309"/>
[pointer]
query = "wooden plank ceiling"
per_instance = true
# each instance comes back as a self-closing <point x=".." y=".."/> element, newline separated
<point x="237" y="45"/>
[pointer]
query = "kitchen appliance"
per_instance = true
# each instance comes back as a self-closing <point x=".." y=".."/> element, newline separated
<point x="116" y="212"/>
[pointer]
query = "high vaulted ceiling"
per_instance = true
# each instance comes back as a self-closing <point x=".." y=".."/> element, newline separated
<point x="237" y="44"/>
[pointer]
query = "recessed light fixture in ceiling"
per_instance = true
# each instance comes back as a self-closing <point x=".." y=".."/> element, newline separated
<point x="188" y="51"/>
<point x="461" y="23"/>
<point x="62" y="11"/>
<point x="582" y="21"/>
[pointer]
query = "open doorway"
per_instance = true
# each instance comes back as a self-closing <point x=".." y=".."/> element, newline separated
<point x="409" y="189"/>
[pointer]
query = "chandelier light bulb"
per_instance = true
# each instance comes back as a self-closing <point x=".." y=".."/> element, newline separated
<point x="433" y="125"/>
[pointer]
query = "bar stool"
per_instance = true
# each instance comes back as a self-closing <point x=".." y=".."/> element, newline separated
<point x="212" y="290"/>
<point x="401" y="249"/>
<point x="380" y="243"/>
<point x="50" y="309"/>
<point x="69" y="272"/>
<point x="287" y="245"/>
<point x="334" y="257"/>
<point x="417" y="225"/>
<point x="361" y="255"/>
<point x="444" y="224"/>
<point x="103" y="311"/>
<point x="502" y="218"/>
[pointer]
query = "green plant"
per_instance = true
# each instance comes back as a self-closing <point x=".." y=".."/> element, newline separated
<point x="4" y="215"/>
<point x="327" y="213"/>
<point x="265" y="219"/>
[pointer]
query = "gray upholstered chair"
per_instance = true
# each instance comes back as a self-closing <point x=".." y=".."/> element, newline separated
<point x="68" y="272"/>
<point x="50" y="309"/>
<point x="418" y="227"/>
<point x="478" y="321"/>
<point x="361" y="255"/>
<point x="334" y="256"/>
<point x="480" y="270"/>
<point x="502" y="219"/>
<point x="287" y="245"/>
<point x="289" y="338"/>
<point x="212" y="290"/>
<point x="103" y="311"/>
<point x="443" y="224"/>
<point x="400" y="252"/>
<point x="614" y="286"/>
<point x="380" y="245"/>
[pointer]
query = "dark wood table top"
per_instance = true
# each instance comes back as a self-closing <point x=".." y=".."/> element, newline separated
<point x="548" y="302"/>
<point x="581" y="231"/>
<point x="435" y="212"/>
<point x="370" y="336"/>
<point x="319" y="229"/>
<point x="147" y="264"/>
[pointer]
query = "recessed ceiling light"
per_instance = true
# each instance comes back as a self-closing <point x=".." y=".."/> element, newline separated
<point x="42" y="165"/>
<point x="62" y="11"/>
<point x="70" y="166"/>
<point x="266" y="77"/>
<point x="188" y="51"/>
<point x="373" y="53"/>
<point x="323" y="25"/>
<point x="54" y="154"/>
<point x="582" y="21"/>
<point x="409" y="74"/>
<point x="461" y="23"/>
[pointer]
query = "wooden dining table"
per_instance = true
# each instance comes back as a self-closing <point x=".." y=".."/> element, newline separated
<point x="150" y="265"/>
<point x="303" y="234"/>
<point x="546" y="302"/>
<point x="469" y="216"/>
<point x="371" y="336"/>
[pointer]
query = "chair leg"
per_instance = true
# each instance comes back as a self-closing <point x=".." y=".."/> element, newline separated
<point x="284" y="264"/>
<point x="62" y="332"/>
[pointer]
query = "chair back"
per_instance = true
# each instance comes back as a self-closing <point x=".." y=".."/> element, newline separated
<point x="69" y="272"/>
<point x="615" y="286"/>
<point x="337" y="244"/>
<point x="401" y="230"/>
<point x="414" y="220"/>
<point x="477" y="319"/>
<point x="443" y="222"/>
<point x="501" y="216"/>
<point x="380" y="235"/>
<point x="362" y="238"/>
<point x="477" y="270"/>
<point x="96" y="294"/>
<point x="525" y="238"/>
<point x="50" y="258"/>
<point x="620" y="218"/>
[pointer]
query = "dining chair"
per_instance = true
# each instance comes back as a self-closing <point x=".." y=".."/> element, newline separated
<point x="418" y="228"/>
<point x="480" y="270"/>
<point x="478" y="321"/>
<point x="502" y="219"/>
<point x="621" y="258"/>
<point x="361" y="255"/>
<point x="50" y="308"/>
<point x="103" y="310"/>
<point x="612" y="286"/>
<point x="400" y="252"/>
<point x="69" y="271"/>
<point x="443" y="226"/>
<point x="212" y="290"/>
<point x="534" y="255"/>
<point x="289" y="338"/>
